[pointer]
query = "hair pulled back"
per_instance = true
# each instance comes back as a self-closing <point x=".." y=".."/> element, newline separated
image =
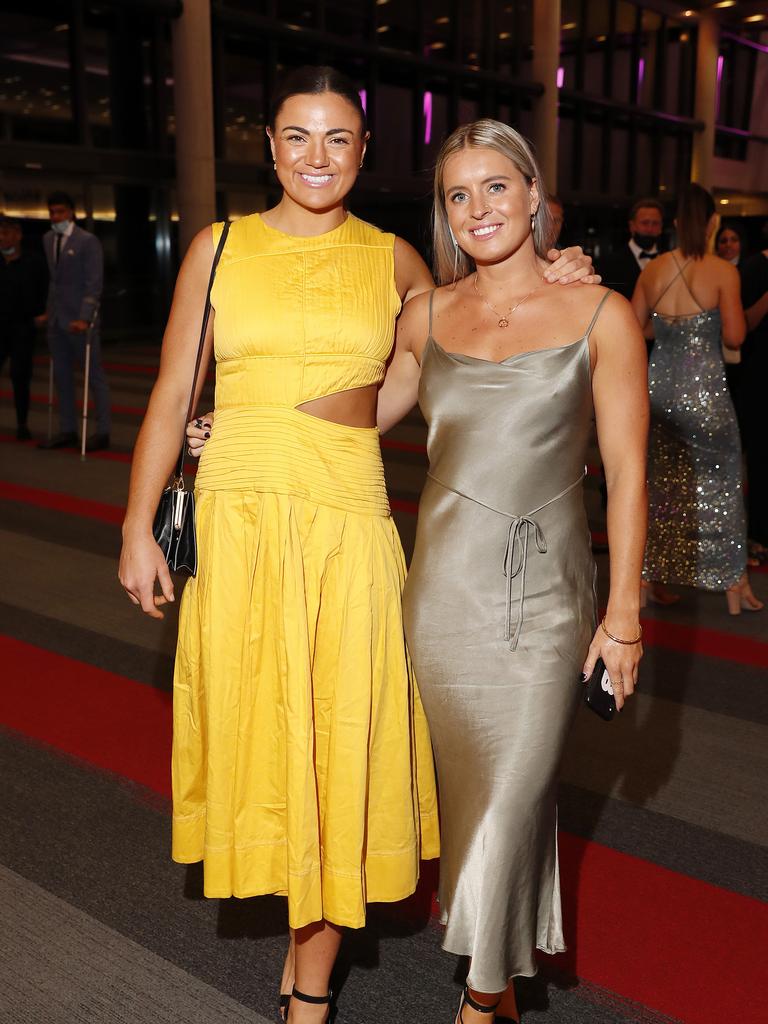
<point x="310" y="80"/>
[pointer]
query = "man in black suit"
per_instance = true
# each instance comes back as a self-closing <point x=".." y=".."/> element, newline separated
<point x="76" y="266"/>
<point x="22" y="301"/>
<point x="622" y="268"/>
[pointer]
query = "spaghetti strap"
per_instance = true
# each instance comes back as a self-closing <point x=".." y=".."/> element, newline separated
<point x="600" y="305"/>
<point x="680" y="273"/>
<point x="431" y="300"/>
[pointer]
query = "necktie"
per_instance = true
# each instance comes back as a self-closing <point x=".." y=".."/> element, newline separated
<point x="57" y="248"/>
<point x="647" y="255"/>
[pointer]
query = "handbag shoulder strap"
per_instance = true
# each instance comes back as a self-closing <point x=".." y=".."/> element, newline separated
<point x="201" y="344"/>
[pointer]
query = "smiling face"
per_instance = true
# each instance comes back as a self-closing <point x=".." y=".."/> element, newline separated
<point x="728" y="244"/>
<point x="489" y="204"/>
<point x="317" y="147"/>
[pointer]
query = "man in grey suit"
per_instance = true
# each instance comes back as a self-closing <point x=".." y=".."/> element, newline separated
<point x="76" y="266"/>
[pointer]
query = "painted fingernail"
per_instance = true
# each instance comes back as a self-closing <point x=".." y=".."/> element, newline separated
<point x="207" y="434"/>
<point x="583" y="677"/>
<point x="206" y="424"/>
<point x="199" y="424"/>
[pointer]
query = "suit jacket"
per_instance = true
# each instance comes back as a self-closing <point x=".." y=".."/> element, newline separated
<point x="620" y="271"/>
<point x="74" y="291"/>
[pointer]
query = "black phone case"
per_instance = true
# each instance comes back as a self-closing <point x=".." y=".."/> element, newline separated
<point x="599" y="692"/>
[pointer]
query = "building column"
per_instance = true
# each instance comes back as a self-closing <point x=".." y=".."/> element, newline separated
<point x="193" y="102"/>
<point x="707" y="50"/>
<point x="546" y="59"/>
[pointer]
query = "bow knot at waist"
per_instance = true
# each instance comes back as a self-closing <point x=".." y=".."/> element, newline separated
<point x="515" y="561"/>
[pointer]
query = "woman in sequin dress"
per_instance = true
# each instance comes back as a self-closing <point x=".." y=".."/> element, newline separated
<point x="689" y="302"/>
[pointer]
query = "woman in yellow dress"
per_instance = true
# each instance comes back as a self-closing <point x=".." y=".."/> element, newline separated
<point x="301" y="758"/>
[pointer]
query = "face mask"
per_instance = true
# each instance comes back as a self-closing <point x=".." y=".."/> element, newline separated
<point x="9" y="251"/>
<point x="61" y="227"/>
<point x="645" y="241"/>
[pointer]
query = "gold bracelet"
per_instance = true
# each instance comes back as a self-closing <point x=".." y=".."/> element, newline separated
<point x="627" y="643"/>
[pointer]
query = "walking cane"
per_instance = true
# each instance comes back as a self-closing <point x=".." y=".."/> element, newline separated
<point x="50" y="398"/>
<point x="88" y="335"/>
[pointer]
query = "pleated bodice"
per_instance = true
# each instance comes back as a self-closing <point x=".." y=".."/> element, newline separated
<point x="297" y="319"/>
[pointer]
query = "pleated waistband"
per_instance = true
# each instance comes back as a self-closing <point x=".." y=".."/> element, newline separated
<point x="286" y="451"/>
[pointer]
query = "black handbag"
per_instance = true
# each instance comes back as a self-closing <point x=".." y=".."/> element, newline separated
<point x="174" y="524"/>
<point x="599" y="695"/>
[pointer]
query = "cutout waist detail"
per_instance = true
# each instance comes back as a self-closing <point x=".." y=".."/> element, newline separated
<point x="287" y="451"/>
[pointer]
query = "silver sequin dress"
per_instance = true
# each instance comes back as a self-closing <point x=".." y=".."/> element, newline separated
<point x="696" y="523"/>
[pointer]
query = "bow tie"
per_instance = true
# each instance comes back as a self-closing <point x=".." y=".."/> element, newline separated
<point x="647" y="255"/>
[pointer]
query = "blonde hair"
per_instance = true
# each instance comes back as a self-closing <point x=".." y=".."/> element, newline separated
<point x="451" y="262"/>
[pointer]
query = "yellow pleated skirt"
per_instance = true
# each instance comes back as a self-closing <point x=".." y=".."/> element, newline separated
<point x="301" y="759"/>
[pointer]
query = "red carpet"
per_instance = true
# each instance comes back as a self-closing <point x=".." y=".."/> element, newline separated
<point x="674" y="944"/>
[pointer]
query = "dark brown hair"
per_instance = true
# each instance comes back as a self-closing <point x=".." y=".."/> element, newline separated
<point x="646" y="204"/>
<point x="310" y="81"/>
<point x="695" y="207"/>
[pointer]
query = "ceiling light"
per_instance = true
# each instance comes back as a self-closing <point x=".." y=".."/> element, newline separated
<point x="437" y="46"/>
<point x="445" y="20"/>
<point x="569" y="26"/>
<point x="725" y="3"/>
<point x="505" y="35"/>
<point x="724" y="202"/>
<point x="688" y="14"/>
<point x="383" y="28"/>
<point x="755" y="17"/>
<point x="600" y="39"/>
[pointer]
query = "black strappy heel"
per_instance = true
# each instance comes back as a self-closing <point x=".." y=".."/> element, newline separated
<point x="317" y="1000"/>
<point x="467" y="999"/>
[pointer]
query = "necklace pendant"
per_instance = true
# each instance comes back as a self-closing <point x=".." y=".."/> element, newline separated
<point x="503" y="322"/>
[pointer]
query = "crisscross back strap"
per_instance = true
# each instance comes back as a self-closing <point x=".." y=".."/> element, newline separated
<point x="431" y="300"/>
<point x="680" y="273"/>
<point x="600" y="305"/>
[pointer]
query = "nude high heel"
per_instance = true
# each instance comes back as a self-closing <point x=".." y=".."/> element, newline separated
<point x="741" y="598"/>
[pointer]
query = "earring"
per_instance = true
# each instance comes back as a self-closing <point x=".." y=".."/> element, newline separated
<point x="533" y="219"/>
<point x="455" y="254"/>
<point x="274" y="165"/>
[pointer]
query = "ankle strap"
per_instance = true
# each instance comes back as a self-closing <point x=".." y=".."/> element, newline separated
<point x="310" y="999"/>
<point x="480" y="1007"/>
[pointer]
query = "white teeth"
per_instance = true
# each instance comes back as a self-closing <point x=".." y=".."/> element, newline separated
<point x="317" y="179"/>
<point x="485" y="231"/>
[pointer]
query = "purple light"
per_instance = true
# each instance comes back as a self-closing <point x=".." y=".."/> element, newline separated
<point x="640" y="76"/>
<point x="427" y="118"/>
<point x="560" y="77"/>
<point x="720" y="64"/>
<point x="364" y="99"/>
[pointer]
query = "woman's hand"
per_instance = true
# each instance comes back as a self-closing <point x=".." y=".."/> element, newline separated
<point x="569" y="265"/>
<point x="621" y="660"/>
<point x="141" y="563"/>
<point x="198" y="432"/>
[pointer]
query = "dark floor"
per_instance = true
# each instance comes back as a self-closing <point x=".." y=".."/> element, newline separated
<point x="97" y="925"/>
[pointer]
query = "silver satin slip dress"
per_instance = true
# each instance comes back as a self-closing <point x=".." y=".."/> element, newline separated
<point x="697" y="531"/>
<point x="499" y="612"/>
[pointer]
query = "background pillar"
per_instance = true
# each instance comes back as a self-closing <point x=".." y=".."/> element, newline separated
<point x="546" y="59"/>
<point x="193" y="101"/>
<point x="707" y="49"/>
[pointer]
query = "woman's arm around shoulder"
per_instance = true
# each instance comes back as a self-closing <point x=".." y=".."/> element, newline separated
<point x="399" y="392"/>
<point x="161" y="433"/>
<point x="734" y="324"/>
<point x="412" y="276"/>
<point x="620" y="394"/>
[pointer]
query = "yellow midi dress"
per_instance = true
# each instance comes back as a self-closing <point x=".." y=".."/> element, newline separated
<point x="301" y="758"/>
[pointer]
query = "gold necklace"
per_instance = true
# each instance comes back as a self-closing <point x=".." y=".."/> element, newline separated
<point x="504" y="320"/>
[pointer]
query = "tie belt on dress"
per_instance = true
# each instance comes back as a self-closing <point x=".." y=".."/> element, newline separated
<point x="515" y="560"/>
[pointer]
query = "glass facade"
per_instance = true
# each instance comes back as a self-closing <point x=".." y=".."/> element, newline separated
<point x="86" y="103"/>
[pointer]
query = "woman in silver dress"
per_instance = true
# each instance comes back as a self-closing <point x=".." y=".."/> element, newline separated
<point x="690" y="303"/>
<point x="499" y="607"/>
